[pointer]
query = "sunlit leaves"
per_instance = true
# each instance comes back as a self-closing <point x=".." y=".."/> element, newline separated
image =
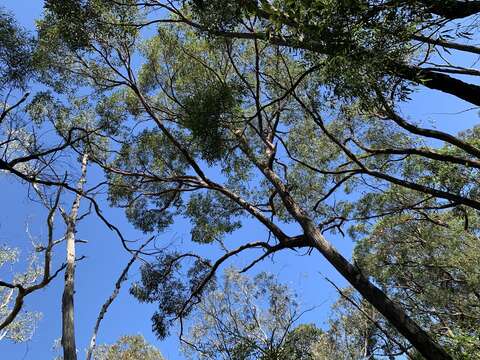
<point x="16" y="48"/>
<point x="24" y="325"/>
<point x="429" y="262"/>
<point x="207" y="113"/>
<point x="250" y="319"/>
<point x="212" y="217"/>
<point x="129" y="347"/>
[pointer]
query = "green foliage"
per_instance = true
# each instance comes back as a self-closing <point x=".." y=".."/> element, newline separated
<point x="16" y="48"/>
<point x="207" y="113"/>
<point x="219" y="15"/>
<point x="73" y="19"/>
<point x="23" y="327"/>
<point x="429" y="263"/>
<point x="208" y="104"/>
<point x="250" y="319"/>
<point x="129" y="347"/>
<point x="355" y="42"/>
<point x="72" y="27"/>
<point x="212" y="217"/>
<point x="44" y="107"/>
<point x="148" y="153"/>
<point x="301" y="342"/>
<point x="164" y="284"/>
<point x="112" y="112"/>
<point x="78" y="22"/>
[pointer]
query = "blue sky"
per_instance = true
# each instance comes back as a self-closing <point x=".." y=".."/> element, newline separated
<point x="95" y="276"/>
<point x="106" y="258"/>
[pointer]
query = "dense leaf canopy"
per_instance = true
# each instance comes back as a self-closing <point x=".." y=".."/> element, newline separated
<point x="289" y="115"/>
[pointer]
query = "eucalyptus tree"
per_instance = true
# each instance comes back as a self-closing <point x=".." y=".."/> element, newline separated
<point x="29" y="157"/>
<point x="246" y="318"/>
<point x="41" y="135"/>
<point x="368" y="39"/>
<point x="49" y="131"/>
<point x="128" y="347"/>
<point x="261" y="318"/>
<point x="290" y="102"/>
<point x="23" y="326"/>
<point x="429" y="264"/>
<point x="357" y="331"/>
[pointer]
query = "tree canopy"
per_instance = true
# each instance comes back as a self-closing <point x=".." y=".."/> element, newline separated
<point x="292" y="115"/>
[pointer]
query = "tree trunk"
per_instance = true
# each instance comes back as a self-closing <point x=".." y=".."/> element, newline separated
<point x="379" y="300"/>
<point x="68" y="323"/>
<point x="441" y="82"/>
<point x="68" y="329"/>
<point x="375" y="296"/>
<point x="452" y="9"/>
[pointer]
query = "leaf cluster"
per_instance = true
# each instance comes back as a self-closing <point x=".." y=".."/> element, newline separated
<point x="163" y="283"/>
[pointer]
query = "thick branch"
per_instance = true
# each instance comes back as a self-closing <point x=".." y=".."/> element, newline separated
<point x="441" y="82"/>
<point x="452" y="9"/>
<point x="448" y="44"/>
